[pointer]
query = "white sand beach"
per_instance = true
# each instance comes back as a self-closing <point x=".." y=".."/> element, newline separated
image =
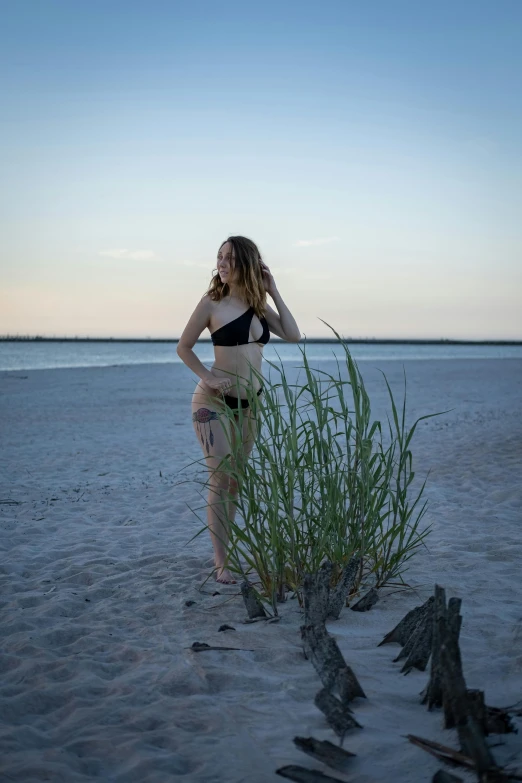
<point x="98" y="681"/>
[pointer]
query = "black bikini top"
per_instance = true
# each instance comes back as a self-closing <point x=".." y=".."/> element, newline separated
<point x="236" y="332"/>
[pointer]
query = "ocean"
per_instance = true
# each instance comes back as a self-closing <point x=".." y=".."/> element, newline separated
<point x="39" y="355"/>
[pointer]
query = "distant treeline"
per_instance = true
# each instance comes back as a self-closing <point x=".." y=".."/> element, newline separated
<point x="351" y="340"/>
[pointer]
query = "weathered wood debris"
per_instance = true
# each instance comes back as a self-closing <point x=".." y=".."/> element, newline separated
<point x="321" y="603"/>
<point x="431" y="629"/>
<point x="414" y="632"/>
<point x="253" y="605"/>
<point x="445" y="777"/>
<point x="304" y="775"/>
<point x="367" y="601"/>
<point x="457" y="758"/>
<point x="331" y="755"/>
<point x="464" y="708"/>
<point x="326" y="752"/>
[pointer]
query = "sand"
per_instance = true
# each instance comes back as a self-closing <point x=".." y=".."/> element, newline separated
<point x="98" y="681"/>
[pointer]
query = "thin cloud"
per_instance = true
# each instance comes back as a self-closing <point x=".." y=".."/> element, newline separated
<point x="320" y="241"/>
<point x="195" y="263"/>
<point x="122" y="254"/>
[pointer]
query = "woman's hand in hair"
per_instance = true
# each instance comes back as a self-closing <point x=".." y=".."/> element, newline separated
<point x="268" y="280"/>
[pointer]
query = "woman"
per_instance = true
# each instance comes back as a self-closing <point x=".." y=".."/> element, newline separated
<point x="236" y="313"/>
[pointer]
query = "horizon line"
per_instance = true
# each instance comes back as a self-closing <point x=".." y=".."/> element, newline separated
<point x="351" y="340"/>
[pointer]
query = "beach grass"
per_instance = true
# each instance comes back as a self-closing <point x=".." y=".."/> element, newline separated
<point x="323" y="481"/>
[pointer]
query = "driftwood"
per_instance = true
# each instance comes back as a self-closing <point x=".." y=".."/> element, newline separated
<point x="321" y="601"/>
<point x="444" y="753"/>
<point x="339" y="718"/>
<point x="343" y="588"/>
<point x="253" y="605"/>
<point x="303" y="775"/>
<point x="477" y="708"/>
<point x="499" y="720"/>
<point x="461" y="710"/>
<point x="316" y="592"/>
<point x="402" y="632"/>
<point x="203" y="646"/>
<point x="323" y="651"/>
<point x="417" y="649"/>
<point x="328" y="661"/>
<point x="449" y="633"/>
<point x="432" y="694"/>
<point x="331" y="755"/>
<point x="366" y="602"/>
<point x="445" y="777"/>
<point x="348" y="686"/>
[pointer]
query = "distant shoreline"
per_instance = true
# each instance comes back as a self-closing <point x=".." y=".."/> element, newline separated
<point x="348" y="340"/>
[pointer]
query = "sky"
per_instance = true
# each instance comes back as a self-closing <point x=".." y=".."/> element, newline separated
<point x="371" y="150"/>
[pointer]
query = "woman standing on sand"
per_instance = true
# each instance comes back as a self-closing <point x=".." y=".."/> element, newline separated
<point x="242" y="281"/>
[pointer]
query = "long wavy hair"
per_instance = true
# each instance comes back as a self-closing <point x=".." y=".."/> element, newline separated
<point x="247" y="263"/>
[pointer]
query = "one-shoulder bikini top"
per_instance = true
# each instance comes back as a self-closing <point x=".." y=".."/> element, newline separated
<point x="237" y="332"/>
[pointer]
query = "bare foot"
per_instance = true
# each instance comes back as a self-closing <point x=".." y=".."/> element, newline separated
<point x="224" y="576"/>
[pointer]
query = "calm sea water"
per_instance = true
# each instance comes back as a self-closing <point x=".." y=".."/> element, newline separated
<point x="41" y="355"/>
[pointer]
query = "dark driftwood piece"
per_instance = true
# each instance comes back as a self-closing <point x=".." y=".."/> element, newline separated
<point x="321" y="601"/>
<point x="253" y="605"/>
<point x="366" y="602"/>
<point x="417" y="649"/>
<point x="445" y="777"/>
<point x="324" y="653"/>
<point x="471" y="737"/>
<point x="477" y="708"/>
<point x="419" y="636"/>
<point x="339" y="718"/>
<point x="329" y="663"/>
<point x="303" y="775"/>
<point x="326" y="752"/>
<point x="450" y="630"/>
<point x="348" y="686"/>
<point x="402" y="632"/>
<point x="432" y="694"/>
<point x="444" y="753"/>
<point x="316" y="595"/>
<point x="202" y="646"/>
<point x="343" y="588"/>
<point x="499" y="720"/>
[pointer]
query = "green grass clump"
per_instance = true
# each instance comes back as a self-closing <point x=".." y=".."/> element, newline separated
<point x="323" y="482"/>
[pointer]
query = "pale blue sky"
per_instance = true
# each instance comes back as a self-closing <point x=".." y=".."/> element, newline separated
<point x="371" y="150"/>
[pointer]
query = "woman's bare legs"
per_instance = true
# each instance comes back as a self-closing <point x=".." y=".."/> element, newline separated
<point x="211" y="430"/>
<point x="249" y="436"/>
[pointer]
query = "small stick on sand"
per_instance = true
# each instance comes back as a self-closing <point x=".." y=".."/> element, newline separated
<point x="326" y="752"/>
<point x="303" y="775"/>
<point x="203" y="646"/>
<point x="444" y="753"/>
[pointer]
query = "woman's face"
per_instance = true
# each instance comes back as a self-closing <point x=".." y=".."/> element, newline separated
<point x="225" y="263"/>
